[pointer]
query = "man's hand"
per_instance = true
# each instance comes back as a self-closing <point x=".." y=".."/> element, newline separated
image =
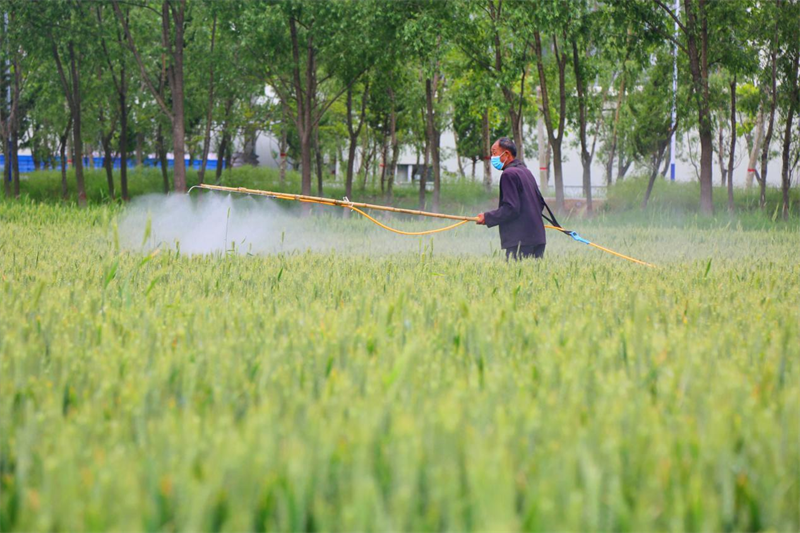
<point x="481" y="220"/>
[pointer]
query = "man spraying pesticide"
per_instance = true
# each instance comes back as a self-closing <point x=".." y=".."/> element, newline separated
<point x="519" y="214"/>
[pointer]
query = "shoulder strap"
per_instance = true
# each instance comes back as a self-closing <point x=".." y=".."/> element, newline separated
<point x="552" y="218"/>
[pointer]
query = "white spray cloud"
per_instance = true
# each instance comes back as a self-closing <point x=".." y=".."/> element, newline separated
<point x="214" y="223"/>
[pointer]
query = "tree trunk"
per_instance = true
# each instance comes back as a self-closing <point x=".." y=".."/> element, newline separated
<point x="706" y="155"/>
<point x="221" y="149"/>
<point x="108" y="164"/>
<point x="622" y="169"/>
<point x="587" y="182"/>
<point x="392" y="170"/>
<point x="723" y="172"/>
<point x="72" y="92"/>
<point x="224" y="145"/>
<point x="35" y="153"/>
<point x="366" y="155"/>
<point x="433" y="137"/>
<point x="486" y="155"/>
<point x="176" y="85"/>
<point x="586" y="157"/>
<point x="178" y="136"/>
<point x="337" y="158"/>
<point x="544" y="147"/>
<point x="732" y="150"/>
<point x="794" y="102"/>
<point x="754" y="150"/>
<point x="283" y="147"/>
<point x="423" y="177"/>
<point x="15" y="158"/>
<point x="77" y="139"/>
<point x="351" y="148"/>
<point x="62" y="149"/>
<point x="555" y="134"/>
<point x="108" y="158"/>
<point x="162" y="157"/>
<point x="305" y="164"/>
<point x="123" y="136"/>
<point x="697" y="26"/>
<point x="139" y="149"/>
<point x="650" y="182"/>
<point x="771" y="122"/>
<point x="458" y="154"/>
<point x="515" y="119"/>
<point x="558" y="176"/>
<point x="395" y="147"/>
<point x="207" y="136"/>
<point x="318" y="154"/>
<point x="13" y="127"/>
<point x="655" y="163"/>
<point x="305" y="99"/>
<point x="666" y="166"/>
<point x="384" y="160"/>
<point x="6" y="168"/>
<point x="353" y="134"/>
<point x="229" y="155"/>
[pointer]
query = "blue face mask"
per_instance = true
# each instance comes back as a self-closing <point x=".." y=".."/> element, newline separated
<point x="496" y="163"/>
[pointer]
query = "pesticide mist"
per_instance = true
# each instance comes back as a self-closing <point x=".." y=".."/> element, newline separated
<point x="213" y="223"/>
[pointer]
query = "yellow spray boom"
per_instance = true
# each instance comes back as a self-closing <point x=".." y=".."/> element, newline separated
<point x="359" y="206"/>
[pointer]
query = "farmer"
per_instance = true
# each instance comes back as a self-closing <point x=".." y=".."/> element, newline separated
<point x="519" y="214"/>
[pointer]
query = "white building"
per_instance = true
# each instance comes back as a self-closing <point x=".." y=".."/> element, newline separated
<point x="267" y="151"/>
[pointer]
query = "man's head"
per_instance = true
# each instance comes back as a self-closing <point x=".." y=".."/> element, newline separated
<point x="503" y="152"/>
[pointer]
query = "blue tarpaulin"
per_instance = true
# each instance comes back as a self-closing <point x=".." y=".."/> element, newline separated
<point x="26" y="163"/>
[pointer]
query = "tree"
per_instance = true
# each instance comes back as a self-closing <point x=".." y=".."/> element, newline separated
<point x="751" y="124"/>
<point x="10" y="115"/>
<point x="732" y="148"/>
<point x="620" y="47"/>
<point x="112" y="44"/>
<point x="476" y="117"/>
<point x="706" y="38"/>
<point x="63" y="34"/>
<point x="210" y="108"/>
<point x="492" y="35"/>
<point x="585" y="33"/>
<point x="354" y="127"/>
<point x="173" y="21"/>
<point x="789" y="66"/>
<point x="651" y="126"/>
<point x="554" y="16"/>
<point x="295" y="47"/>
<point x="429" y="49"/>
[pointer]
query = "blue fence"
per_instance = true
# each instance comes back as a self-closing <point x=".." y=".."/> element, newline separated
<point x="26" y="163"/>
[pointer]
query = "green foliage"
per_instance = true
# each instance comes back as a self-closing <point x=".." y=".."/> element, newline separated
<point x="648" y="118"/>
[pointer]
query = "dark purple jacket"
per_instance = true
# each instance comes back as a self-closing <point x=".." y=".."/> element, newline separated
<point x="519" y="214"/>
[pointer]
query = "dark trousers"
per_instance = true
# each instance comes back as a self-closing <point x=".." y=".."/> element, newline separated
<point x="525" y="252"/>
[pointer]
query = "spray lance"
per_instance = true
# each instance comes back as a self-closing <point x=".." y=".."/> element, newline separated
<point x="359" y="208"/>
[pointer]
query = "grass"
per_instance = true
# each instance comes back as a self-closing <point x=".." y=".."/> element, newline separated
<point x="431" y="388"/>
<point x="680" y="199"/>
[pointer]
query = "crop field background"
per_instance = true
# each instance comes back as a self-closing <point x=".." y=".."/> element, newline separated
<point x="341" y="378"/>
